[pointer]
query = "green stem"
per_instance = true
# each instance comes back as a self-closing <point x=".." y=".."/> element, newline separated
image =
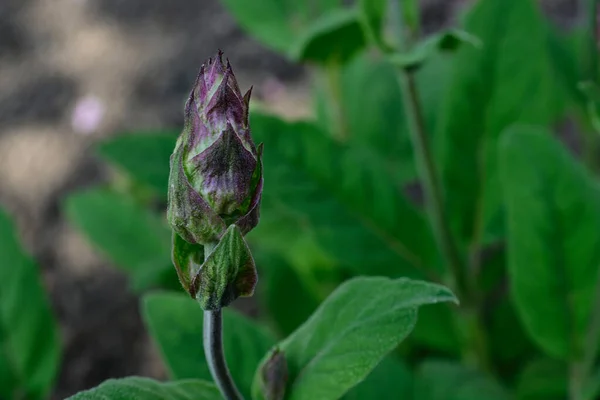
<point x="213" y="349"/>
<point x="468" y="320"/>
<point x="430" y="180"/>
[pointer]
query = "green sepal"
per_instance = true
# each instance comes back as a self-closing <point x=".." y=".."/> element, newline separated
<point x="228" y="272"/>
<point x="187" y="259"/>
<point x="444" y="41"/>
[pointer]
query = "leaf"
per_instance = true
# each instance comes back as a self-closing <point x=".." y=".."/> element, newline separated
<point x="390" y="379"/>
<point x="444" y="380"/>
<point x="277" y="23"/>
<point x="349" y="334"/>
<point x="333" y="37"/>
<point x="372" y="17"/>
<point x="444" y="41"/>
<point x="285" y="295"/>
<point x="148" y="389"/>
<point x="145" y="157"/>
<point x="181" y="348"/>
<point x="378" y="130"/>
<point x="132" y="238"/>
<point x="435" y="329"/>
<point x="492" y="87"/>
<point x="29" y="360"/>
<point x="553" y="220"/>
<point x="356" y="213"/>
<point x="543" y="379"/>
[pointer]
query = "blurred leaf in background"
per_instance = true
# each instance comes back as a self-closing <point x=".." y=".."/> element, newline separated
<point x="30" y="345"/>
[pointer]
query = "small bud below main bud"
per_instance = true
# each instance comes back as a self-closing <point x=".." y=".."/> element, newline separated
<point x="274" y="376"/>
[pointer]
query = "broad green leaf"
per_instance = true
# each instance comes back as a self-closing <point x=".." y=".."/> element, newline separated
<point x="148" y="389"/>
<point x="591" y="389"/>
<point x="390" y="379"/>
<point x="553" y="223"/>
<point x="29" y="336"/>
<point x="333" y="38"/>
<point x="492" y="87"/>
<point x="132" y="238"/>
<point x="350" y="333"/>
<point x="543" y="379"/>
<point x="356" y="213"/>
<point x="445" y="380"/>
<point x="277" y="23"/>
<point x="145" y="157"/>
<point x="181" y="347"/>
<point x="284" y="294"/>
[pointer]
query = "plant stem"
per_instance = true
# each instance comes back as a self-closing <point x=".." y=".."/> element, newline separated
<point x="431" y="184"/>
<point x="213" y="349"/>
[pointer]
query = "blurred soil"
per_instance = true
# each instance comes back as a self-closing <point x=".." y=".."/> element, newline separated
<point x="75" y="71"/>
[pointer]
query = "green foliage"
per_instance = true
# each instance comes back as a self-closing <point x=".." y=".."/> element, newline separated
<point x="144" y="388"/>
<point x="132" y="238"/>
<point x="144" y="157"/>
<point x="29" y="337"/>
<point x="344" y="202"/>
<point x="310" y="178"/>
<point x="491" y="88"/>
<point x="348" y="335"/>
<point x="543" y="379"/>
<point x="553" y="215"/>
<point x="175" y="323"/>
<point x="391" y="378"/>
<point x="443" y="380"/>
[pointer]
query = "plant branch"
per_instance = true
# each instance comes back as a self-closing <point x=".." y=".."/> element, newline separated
<point x="430" y="180"/>
<point x="213" y="349"/>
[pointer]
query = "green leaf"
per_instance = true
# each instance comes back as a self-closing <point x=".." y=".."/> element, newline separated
<point x="285" y="295"/>
<point x="132" y="238"/>
<point x="390" y="379"/>
<point x="378" y="129"/>
<point x="357" y="214"/>
<point x="543" y="379"/>
<point x="29" y="336"/>
<point x="508" y="346"/>
<point x="444" y="380"/>
<point x="553" y="220"/>
<point x="182" y="349"/>
<point x="435" y="329"/>
<point x="349" y="334"/>
<point x="145" y="157"/>
<point x="148" y="389"/>
<point x="333" y="37"/>
<point x="492" y="87"/>
<point x="277" y="23"/>
<point x="444" y="41"/>
<point x="372" y="17"/>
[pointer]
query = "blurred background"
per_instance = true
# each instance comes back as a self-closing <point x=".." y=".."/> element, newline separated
<point x="74" y="72"/>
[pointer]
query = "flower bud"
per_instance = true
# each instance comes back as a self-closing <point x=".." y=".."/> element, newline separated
<point x="216" y="172"/>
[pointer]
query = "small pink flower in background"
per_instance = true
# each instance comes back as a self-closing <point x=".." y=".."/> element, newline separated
<point x="87" y="115"/>
<point x="272" y="89"/>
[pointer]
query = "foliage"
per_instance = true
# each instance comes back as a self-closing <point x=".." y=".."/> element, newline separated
<point x="29" y="360"/>
<point x="509" y="218"/>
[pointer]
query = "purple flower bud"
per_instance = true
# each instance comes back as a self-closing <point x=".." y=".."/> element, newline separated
<point x="216" y="172"/>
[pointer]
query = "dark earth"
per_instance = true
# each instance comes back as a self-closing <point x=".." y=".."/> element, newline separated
<point x="138" y="59"/>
